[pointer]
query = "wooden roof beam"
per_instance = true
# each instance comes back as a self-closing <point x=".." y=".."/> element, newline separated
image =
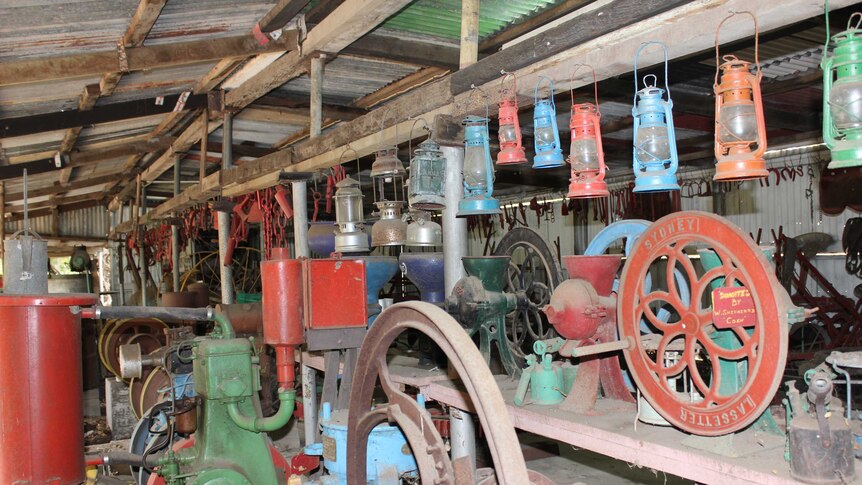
<point x="140" y="58"/>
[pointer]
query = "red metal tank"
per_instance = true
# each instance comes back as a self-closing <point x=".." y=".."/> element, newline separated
<point x="281" y="278"/>
<point x="41" y="423"/>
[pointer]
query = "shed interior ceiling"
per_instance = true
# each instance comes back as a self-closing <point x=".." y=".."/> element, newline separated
<point x="39" y="30"/>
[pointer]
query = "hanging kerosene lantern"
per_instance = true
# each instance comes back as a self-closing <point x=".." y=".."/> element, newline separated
<point x="740" y="131"/>
<point x="478" y="168"/>
<point x="511" y="149"/>
<point x="387" y="173"/>
<point x="655" y="159"/>
<point x="842" y="95"/>
<point x="426" y="191"/>
<point x="546" y="135"/>
<point x="586" y="157"/>
<point x="426" y="185"/>
<point x="350" y="236"/>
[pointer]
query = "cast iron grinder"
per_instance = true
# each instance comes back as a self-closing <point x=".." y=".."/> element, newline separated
<point x="583" y="311"/>
<point x="480" y="305"/>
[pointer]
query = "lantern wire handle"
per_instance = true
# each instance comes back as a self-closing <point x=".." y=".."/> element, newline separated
<point x="475" y="89"/>
<point x="410" y="138"/>
<point x="514" y="91"/>
<point x="733" y="58"/>
<point x="595" y="85"/>
<point x="340" y="158"/>
<point x="637" y="55"/>
<point x="550" y="91"/>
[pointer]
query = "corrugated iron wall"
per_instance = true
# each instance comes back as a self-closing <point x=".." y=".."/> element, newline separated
<point x="88" y="222"/>
<point x="748" y="205"/>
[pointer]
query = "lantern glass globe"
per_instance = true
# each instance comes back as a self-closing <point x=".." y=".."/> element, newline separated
<point x="846" y="102"/>
<point x="652" y="144"/>
<point x="737" y="123"/>
<point x="475" y="167"/>
<point x="585" y="155"/>
<point x="508" y="134"/>
<point x="545" y="135"/>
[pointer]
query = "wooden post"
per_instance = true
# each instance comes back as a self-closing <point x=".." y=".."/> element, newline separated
<point x="205" y="130"/>
<point x="469" y="33"/>
<point x="316" y="101"/>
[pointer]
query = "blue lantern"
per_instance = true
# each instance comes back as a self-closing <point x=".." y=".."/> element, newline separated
<point x="546" y="136"/>
<point x="478" y="170"/>
<point x="655" y="159"/>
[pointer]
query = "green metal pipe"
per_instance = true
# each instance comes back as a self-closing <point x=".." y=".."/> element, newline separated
<point x="224" y="325"/>
<point x="260" y="424"/>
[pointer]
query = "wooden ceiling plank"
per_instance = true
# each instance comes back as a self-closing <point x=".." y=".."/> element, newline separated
<point x="140" y="58"/>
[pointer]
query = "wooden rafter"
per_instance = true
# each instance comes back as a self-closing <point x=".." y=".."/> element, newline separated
<point x="401" y="86"/>
<point x="140" y="58"/>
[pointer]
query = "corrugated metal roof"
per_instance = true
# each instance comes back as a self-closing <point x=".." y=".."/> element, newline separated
<point x="157" y="82"/>
<point x="443" y="17"/>
<point x="347" y="78"/>
<point x="205" y="19"/>
<point x="44" y="97"/>
<point x="44" y="28"/>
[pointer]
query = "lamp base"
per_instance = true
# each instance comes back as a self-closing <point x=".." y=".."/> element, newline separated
<point x="511" y="156"/>
<point x="738" y="170"/>
<point x="588" y="190"/>
<point x="846" y="155"/>
<point x="351" y="242"/>
<point x="479" y="205"/>
<point x="549" y="159"/>
<point x="647" y="182"/>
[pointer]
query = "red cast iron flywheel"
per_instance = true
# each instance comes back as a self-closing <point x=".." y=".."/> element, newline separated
<point x="759" y="347"/>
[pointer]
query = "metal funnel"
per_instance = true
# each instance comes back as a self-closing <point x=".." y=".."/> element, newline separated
<point x="425" y="270"/>
<point x="491" y="270"/>
<point x="599" y="271"/>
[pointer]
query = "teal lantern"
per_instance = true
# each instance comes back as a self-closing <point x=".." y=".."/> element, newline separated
<point x="842" y="96"/>
<point x="478" y="170"/>
<point x="546" y="136"/>
<point x="655" y="159"/>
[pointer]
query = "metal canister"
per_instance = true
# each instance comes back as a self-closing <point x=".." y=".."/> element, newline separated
<point x="41" y="423"/>
<point x="281" y="279"/>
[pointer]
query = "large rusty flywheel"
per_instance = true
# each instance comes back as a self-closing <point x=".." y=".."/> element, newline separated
<point x="678" y="363"/>
<point x="434" y="463"/>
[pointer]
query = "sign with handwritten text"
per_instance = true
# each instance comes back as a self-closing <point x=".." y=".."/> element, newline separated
<point x="733" y="307"/>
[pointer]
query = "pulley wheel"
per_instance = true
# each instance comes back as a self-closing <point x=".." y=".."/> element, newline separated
<point x="534" y="270"/>
<point x="415" y="421"/>
<point x="149" y="332"/>
<point x="701" y="407"/>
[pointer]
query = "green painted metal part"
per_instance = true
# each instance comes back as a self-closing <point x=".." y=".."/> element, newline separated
<point x="481" y="305"/>
<point x="846" y="62"/>
<point x="230" y="446"/>
<point x="733" y="373"/>
<point x="442" y="18"/>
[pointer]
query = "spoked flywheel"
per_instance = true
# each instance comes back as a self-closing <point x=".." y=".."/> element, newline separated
<point x="534" y="270"/>
<point x="434" y="463"/>
<point x="677" y="364"/>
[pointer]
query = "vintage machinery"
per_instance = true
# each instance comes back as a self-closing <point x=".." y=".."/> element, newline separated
<point x="762" y="333"/>
<point x="582" y="309"/>
<point x="378" y="271"/>
<point x="41" y="424"/>
<point x="481" y="305"/>
<point x="415" y="422"/>
<point x="535" y="271"/>
<point x="820" y="440"/>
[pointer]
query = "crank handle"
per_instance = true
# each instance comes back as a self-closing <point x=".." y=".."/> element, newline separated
<point x="622" y="344"/>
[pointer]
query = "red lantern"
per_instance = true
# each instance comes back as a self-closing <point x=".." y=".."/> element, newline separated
<point x="511" y="151"/>
<point x="586" y="157"/>
<point x="740" y="130"/>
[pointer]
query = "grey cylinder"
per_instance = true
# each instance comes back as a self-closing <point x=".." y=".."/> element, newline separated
<point x="25" y="266"/>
